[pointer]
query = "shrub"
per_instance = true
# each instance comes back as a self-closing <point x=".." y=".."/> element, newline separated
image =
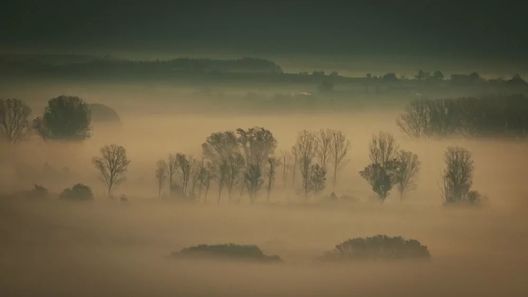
<point x="78" y="192"/>
<point x="227" y="251"/>
<point x="378" y="247"/>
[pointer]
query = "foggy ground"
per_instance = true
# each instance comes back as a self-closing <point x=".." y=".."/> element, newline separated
<point x="106" y="248"/>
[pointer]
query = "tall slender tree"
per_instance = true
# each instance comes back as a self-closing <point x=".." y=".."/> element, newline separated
<point x="305" y="149"/>
<point x="14" y="122"/>
<point x="112" y="166"/>
<point x="161" y="175"/>
<point x="338" y="151"/>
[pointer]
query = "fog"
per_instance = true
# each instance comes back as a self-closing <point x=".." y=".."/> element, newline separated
<point x="106" y="247"/>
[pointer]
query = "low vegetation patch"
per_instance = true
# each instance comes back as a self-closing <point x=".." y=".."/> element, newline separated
<point x="78" y="192"/>
<point x="226" y="251"/>
<point x="379" y="247"/>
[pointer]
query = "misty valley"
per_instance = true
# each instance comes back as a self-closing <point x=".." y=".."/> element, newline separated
<point x="135" y="187"/>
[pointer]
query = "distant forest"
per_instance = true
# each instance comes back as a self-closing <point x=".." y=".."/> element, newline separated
<point x="245" y="70"/>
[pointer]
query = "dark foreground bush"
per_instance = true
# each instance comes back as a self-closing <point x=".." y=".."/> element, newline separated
<point x="227" y="251"/>
<point x="378" y="247"/>
<point x="78" y="192"/>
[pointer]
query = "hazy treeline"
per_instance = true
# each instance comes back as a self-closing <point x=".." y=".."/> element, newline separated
<point x="484" y="116"/>
<point x="248" y="71"/>
<point x="244" y="161"/>
<point x="65" y="118"/>
<point x="94" y="66"/>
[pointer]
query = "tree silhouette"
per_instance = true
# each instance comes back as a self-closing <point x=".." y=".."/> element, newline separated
<point x="161" y="175"/>
<point x="324" y="147"/>
<point x="171" y="171"/>
<point x="184" y="166"/>
<point x="380" y="178"/>
<point x="483" y="116"/>
<point x="305" y="150"/>
<point x="258" y="145"/>
<point x="272" y="168"/>
<point x="77" y="192"/>
<point x="14" y="122"/>
<point x="317" y="178"/>
<point x="406" y="171"/>
<point x="338" y="151"/>
<point x="112" y="166"/>
<point x="223" y="151"/>
<point x="65" y="117"/>
<point x="458" y="175"/>
<point x="381" y="173"/>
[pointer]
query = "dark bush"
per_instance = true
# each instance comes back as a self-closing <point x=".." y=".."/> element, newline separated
<point x="378" y="247"/>
<point x="65" y="117"/>
<point x="227" y="251"/>
<point x="78" y="192"/>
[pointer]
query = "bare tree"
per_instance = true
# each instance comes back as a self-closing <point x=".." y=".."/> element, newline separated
<point x="295" y="158"/>
<point x="196" y="170"/>
<point x="380" y="174"/>
<point x="406" y="171"/>
<point x="325" y="146"/>
<point x="183" y="165"/>
<point x="305" y="149"/>
<point x="416" y="120"/>
<point x="317" y="178"/>
<point x="258" y="145"/>
<point x="112" y="166"/>
<point x="338" y="151"/>
<point x="285" y="162"/>
<point x="171" y="171"/>
<point x="161" y="175"/>
<point x="14" y="122"/>
<point x="383" y="149"/>
<point x="253" y="180"/>
<point x="272" y="165"/>
<point x="207" y="174"/>
<point x="223" y="151"/>
<point x="458" y="174"/>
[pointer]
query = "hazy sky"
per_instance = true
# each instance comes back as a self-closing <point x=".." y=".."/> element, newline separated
<point x="495" y="29"/>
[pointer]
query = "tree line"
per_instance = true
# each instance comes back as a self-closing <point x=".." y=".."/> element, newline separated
<point x="65" y="117"/>
<point x="245" y="161"/>
<point x="485" y="116"/>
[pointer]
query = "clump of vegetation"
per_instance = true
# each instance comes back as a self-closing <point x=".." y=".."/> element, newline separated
<point x="227" y="251"/>
<point x="486" y="116"/>
<point x="78" y="192"/>
<point x="379" y="247"/>
<point x="389" y="167"/>
<point x="458" y="177"/>
<point x="65" y="117"/>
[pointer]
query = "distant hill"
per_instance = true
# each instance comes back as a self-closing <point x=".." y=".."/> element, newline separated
<point x="82" y="66"/>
